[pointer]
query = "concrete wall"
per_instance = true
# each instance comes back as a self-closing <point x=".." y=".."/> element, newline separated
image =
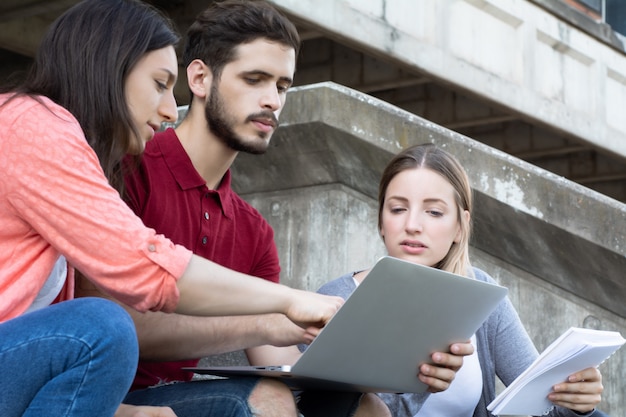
<point x="559" y="247"/>
<point x="512" y="52"/>
<point x="517" y="75"/>
<point x="323" y="59"/>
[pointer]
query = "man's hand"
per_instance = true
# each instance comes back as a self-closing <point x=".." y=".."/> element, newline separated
<point x="126" y="410"/>
<point x="582" y="392"/>
<point x="439" y="374"/>
<point x="312" y="311"/>
<point x="281" y="332"/>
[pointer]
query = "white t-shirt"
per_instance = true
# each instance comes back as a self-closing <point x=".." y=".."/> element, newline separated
<point x="461" y="398"/>
<point x="52" y="287"/>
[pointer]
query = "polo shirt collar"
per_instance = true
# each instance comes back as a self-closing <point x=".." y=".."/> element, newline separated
<point x="183" y="171"/>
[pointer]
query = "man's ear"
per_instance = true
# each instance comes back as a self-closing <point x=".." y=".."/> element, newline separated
<point x="199" y="78"/>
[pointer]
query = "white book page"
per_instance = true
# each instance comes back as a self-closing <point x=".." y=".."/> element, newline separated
<point x="575" y="350"/>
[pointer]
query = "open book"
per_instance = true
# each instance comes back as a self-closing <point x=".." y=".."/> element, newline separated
<point x="575" y="350"/>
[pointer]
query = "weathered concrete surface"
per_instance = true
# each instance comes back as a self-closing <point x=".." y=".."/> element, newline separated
<point x="511" y="52"/>
<point x="564" y="233"/>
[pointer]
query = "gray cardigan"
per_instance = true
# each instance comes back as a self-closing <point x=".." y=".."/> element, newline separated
<point x="504" y="349"/>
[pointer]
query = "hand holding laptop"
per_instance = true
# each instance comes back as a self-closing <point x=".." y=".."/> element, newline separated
<point x="439" y="374"/>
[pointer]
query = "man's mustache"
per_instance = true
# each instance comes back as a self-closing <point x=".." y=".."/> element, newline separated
<point x="264" y="115"/>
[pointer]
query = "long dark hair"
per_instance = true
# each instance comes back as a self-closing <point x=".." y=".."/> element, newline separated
<point x="82" y="64"/>
<point x="220" y="28"/>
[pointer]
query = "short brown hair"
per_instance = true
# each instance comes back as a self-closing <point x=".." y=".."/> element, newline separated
<point x="219" y="29"/>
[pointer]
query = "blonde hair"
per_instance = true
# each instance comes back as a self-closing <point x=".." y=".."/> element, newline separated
<point x="440" y="161"/>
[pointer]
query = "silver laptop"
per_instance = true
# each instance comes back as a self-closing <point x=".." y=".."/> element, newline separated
<point x="392" y="322"/>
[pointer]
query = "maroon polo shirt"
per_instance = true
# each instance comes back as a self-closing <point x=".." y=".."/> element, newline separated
<point x="170" y="196"/>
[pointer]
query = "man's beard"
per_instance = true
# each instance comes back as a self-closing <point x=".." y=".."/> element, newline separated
<point x="221" y="125"/>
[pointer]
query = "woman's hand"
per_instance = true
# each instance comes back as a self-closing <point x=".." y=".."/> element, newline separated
<point x="582" y="392"/>
<point x="439" y="374"/>
<point x="126" y="410"/>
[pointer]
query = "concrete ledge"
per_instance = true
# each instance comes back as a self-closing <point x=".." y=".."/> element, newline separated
<point x="564" y="233"/>
<point x="516" y="55"/>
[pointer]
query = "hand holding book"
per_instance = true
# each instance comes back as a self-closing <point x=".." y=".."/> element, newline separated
<point x="581" y="392"/>
<point x="575" y="350"/>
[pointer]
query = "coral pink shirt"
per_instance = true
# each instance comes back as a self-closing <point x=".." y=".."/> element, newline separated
<point x="55" y="200"/>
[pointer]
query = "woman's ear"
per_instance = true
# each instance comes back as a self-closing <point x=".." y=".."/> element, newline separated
<point x="463" y="227"/>
<point x="199" y="78"/>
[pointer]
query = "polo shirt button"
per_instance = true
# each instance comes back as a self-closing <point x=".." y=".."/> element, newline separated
<point x="204" y="240"/>
<point x="151" y="248"/>
<point x="206" y="215"/>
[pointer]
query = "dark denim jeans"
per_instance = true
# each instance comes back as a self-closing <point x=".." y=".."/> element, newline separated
<point x="205" y="398"/>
